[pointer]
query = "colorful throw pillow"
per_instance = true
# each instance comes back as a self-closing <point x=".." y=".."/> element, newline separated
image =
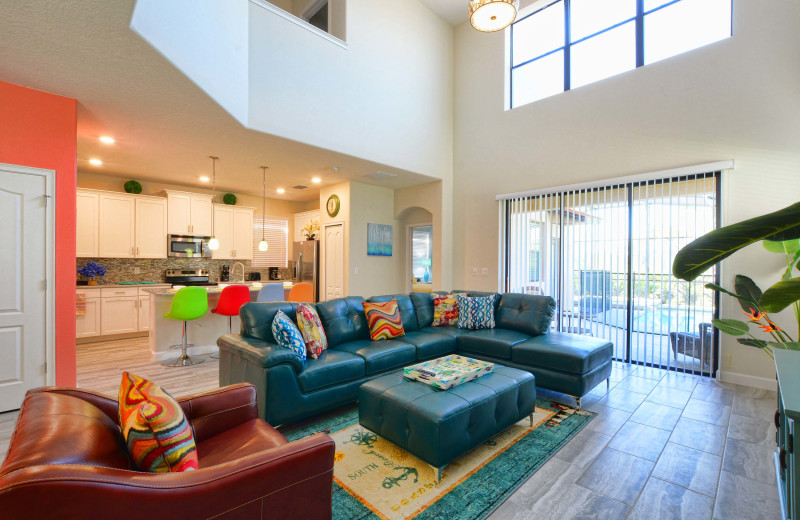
<point x="384" y="320"/>
<point x="311" y="328"/>
<point x="445" y="310"/>
<point x="287" y="335"/>
<point x="476" y="312"/>
<point x="156" y="432"/>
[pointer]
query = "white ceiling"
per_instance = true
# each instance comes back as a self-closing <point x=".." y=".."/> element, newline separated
<point x="165" y="126"/>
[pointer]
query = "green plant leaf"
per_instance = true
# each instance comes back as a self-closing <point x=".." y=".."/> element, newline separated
<point x="748" y="291"/>
<point x="787" y="275"/>
<point x="780" y="295"/>
<point x="753" y="342"/>
<point x="789" y="345"/>
<point x="700" y="255"/>
<point x="789" y="247"/>
<point x="732" y="327"/>
<point x="742" y="299"/>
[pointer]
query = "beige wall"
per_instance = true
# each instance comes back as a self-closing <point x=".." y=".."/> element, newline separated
<point x="341" y="190"/>
<point x="275" y="207"/>
<point x="735" y="99"/>
<point x="431" y="198"/>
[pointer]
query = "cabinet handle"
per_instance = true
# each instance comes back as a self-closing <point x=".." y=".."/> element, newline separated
<point x="777" y="419"/>
<point x="782" y="458"/>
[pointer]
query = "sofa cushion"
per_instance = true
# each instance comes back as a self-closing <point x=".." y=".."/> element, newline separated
<point x="257" y="318"/>
<point x="496" y="343"/>
<point x="526" y="313"/>
<point x="444" y="331"/>
<point x="475" y="313"/>
<point x="311" y="328"/>
<point x="430" y="345"/>
<point x="154" y="427"/>
<point x="564" y="352"/>
<point x="423" y="308"/>
<point x="331" y="368"/>
<point x="287" y="335"/>
<point x="445" y="310"/>
<point x="479" y="294"/>
<point x="407" y="311"/>
<point x="380" y="356"/>
<point x="343" y="320"/>
<point x="384" y="320"/>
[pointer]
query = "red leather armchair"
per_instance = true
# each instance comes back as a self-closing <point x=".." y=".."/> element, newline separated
<point x="67" y="461"/>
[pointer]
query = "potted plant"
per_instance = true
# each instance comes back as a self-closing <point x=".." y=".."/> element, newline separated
<point x="310" y="230"/>
<point x="780" y="233"/>
<point x="91" y="270"/>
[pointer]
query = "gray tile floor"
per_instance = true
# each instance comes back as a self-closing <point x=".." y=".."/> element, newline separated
<point x="663" y="446"/>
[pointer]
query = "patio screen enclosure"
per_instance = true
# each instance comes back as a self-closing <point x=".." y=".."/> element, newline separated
<point x="605" y="255"/>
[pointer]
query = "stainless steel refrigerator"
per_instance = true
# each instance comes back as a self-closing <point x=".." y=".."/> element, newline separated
<point x="305" y="258"/>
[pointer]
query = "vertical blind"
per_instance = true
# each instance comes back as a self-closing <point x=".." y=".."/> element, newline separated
<point x="605" y="255"/>
<point x="276" y="232"/>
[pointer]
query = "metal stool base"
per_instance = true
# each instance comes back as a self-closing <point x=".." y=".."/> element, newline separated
<point x="183" y="361"/>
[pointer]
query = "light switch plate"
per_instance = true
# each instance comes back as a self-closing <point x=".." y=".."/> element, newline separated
<point x="474" y="271"/>
<point x="485" y="271"/>
<point x="355" y="270"/>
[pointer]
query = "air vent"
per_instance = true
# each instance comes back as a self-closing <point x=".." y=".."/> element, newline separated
<point x="379" y="176"/>
<point x="299" y="187"/>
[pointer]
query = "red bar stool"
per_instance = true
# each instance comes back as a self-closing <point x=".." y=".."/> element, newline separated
<point x="231" y="299"/>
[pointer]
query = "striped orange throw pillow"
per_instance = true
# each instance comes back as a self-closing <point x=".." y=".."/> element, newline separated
<point x="384" y="320"/>
<point x="156" y="432"/>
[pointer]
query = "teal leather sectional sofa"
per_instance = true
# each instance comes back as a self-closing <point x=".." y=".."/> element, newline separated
<point x="290" y="389"/>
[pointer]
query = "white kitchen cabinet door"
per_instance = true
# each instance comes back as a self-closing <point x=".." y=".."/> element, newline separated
<point x="87" y="225"/>
<point x="88" y="324"/>
<point x="223" y="230"/>
<point x="117" y="226"/>
<point x="243" y="234"/>
<point x="144" y="312"/>
<point x="151" y="228"/>
<point x="179" y="214"/>
<point x="119" y="315"/>
<point x="201" y="209"/>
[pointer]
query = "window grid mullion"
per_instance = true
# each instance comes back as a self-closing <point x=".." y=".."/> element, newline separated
<point x="639" y="33"/>
<point x="567" y="45"/>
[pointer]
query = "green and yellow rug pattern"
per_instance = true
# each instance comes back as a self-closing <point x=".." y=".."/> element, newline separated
<point x="374" y="479"/>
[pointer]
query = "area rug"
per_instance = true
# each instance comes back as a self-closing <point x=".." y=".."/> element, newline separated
<point x="374" y="478"/>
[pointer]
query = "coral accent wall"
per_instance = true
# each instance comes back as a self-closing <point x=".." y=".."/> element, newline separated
<point x="38" y="129"/>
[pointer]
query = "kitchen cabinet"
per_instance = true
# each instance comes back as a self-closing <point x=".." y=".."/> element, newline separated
<point x="301" y="219"/>
<point x="119" y="314"/>
<point x="151" y="228"/>
<point x="117" y="226"/>
<point x="88" y="323"/>
<point x="233" y="227"/>
<point x="87" y="224"/>
<point x="188" y="213"/>
<point x="144" y="311"/>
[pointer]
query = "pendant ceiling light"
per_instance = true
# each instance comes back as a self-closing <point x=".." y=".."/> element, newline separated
<point x="492" y="15"/>
<point x="263" y="245"/>
<point x="213" y="243"/>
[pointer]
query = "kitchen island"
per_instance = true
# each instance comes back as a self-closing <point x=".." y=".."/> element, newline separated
<point x="203" y="332"/>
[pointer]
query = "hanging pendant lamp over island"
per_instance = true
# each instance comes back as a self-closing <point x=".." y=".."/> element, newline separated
<point x="263" y="245"/>
<point x="492" y="15"/>
<point x="213" y="243"/>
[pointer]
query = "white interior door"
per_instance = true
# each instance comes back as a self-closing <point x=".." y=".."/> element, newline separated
<point x="26" y="321"/>
<point x="334" y="261"/>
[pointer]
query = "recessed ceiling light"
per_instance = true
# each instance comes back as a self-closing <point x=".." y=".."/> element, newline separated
<point x="96" y="162"/>
<point x="281" y="191"/>
<point x="204" y="179"/>
<point x="108" y="140"/>
<point x="316" y="180"/>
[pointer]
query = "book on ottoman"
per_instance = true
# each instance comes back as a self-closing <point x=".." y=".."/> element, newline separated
<point x="449" y="371"/>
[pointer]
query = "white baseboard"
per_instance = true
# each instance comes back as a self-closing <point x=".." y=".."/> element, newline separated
<point x="748" y="380"/>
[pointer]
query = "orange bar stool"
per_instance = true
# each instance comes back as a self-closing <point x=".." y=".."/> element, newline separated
<point x="302" y="293"/>
<point x="189" y="303"/>
<point x="231" y="299"/>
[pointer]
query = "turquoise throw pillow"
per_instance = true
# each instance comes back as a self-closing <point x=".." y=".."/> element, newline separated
<point x="475" y="312"/>
<point x="287" y="335"/>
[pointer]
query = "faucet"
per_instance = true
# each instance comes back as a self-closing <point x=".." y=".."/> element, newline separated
<point x="233" y="271"/>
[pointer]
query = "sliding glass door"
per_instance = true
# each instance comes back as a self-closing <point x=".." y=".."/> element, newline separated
<point x="605" y="254"/>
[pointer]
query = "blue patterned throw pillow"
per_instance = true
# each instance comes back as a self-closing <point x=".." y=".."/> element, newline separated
<point x="475" y="312"/>
<point x="287" y="335"/>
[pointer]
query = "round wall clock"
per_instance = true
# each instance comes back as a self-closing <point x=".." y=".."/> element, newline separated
<point x="333" y="205"/>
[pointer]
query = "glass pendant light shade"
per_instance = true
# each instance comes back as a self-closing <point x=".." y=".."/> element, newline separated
<point x="263" y="245"/>
<point x="213" y="244"/>
<point x="492" y="15"/>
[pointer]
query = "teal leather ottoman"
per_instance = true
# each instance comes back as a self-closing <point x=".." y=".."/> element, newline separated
<point x="438" y="426"/>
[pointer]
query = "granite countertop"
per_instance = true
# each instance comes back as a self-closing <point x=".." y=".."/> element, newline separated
<point x="116" y="285"/>
<point x="212" y="289"/>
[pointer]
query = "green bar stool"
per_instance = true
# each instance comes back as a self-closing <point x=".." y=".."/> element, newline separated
<point x="189" y="303"/>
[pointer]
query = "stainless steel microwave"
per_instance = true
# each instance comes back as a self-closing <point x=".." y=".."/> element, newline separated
<point x="184" y="246"/>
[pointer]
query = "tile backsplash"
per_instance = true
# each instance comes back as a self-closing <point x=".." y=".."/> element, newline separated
<point x="152" y="270"/>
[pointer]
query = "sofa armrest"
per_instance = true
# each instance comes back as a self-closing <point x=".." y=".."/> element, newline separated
<point x="214" y="412"/>
<point x="262" y="353"/>
<point x="293" y="481"/>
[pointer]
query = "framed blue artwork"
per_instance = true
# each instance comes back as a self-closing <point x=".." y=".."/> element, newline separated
<point x="379" y="240"/>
